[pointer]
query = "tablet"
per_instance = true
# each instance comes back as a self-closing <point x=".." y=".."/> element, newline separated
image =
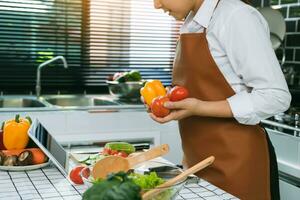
<point x="47" y="143"/>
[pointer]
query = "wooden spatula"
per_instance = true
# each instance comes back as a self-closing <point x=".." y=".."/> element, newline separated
<point x="178" y="178"/>
<point x="115" y="164"/>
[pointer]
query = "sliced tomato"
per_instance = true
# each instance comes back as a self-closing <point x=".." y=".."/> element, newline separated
<point x="75" y="176"/>
<point x="111" y="152"/>
<point x="123" y="154"/>
<point x="114" y="152"/>
<point x="85" y="172"/>
<point x="106" y="151"/>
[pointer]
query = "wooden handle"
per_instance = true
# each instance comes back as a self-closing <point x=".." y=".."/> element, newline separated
<point x="201" y="165"/>
<point x="148" y="155"/>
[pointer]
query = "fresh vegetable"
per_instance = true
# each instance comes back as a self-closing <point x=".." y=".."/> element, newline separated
<point x="85" y="172"/>
<point x="10" y="161"/>
<point x="141" y="181"/>
<point x="178" y="93"/>
<point x="75" y="176"/>
<point x="2" y="157"/>
<point x="157" y="106"/>
<point x="122" y="154"/>
<point x="25" y="158"/>
<point x="151" y="90"/>
<point x="119" y="147"/>
<point x="147" y="181"/>
<point x="110" y="152"/>
<point x="92" y="159"/>
<point x="121" y="77"/>
<point x="150" y="181"/>
<point x="15" y="133"/>
<point x="116" y="187"/>
<point x="38" y="155"/>
<point x="134" y="75"/>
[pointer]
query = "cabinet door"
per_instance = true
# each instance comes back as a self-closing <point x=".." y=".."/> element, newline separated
<point x="289" y="191"/>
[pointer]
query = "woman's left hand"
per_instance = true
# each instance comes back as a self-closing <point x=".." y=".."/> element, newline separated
<point x="179" y="110"/>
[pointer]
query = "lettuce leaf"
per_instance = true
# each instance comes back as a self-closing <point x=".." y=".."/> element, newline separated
<point x="116" y="187"/>
<point x="148" y="181"/>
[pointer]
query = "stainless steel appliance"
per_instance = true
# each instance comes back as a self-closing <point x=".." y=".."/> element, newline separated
<point x="284" y="133"/>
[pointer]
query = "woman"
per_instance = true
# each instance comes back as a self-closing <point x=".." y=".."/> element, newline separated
<point x="225" y="59"/>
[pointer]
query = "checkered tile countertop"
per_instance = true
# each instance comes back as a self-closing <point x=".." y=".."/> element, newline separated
<point x="49" y="183"/>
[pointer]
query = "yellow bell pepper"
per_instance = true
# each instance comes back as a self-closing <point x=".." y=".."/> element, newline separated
<point x="15" y="134"/>
<point x="151" y="90"/>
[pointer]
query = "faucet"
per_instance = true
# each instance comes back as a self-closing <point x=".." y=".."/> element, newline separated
<point x="38" y="74"/>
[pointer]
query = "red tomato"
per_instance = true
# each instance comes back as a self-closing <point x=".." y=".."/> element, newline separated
<point x="113" y="152"/>
<point x="75" y="175"/>
<point x="157" y="106"/>
<point x="122" y="154"/>
<point x="85" y="172"/>
<point x="106" y="151"/>
<point x="178" y="93"/>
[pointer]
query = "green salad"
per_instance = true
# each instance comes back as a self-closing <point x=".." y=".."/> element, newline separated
<point x="146" y="181"/>
<point x="92" y="159"/>
<point x="123" y="186"/>
<point x="116" y="187"/>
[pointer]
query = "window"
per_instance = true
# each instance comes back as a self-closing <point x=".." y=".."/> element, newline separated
<point x="97" y="37"/>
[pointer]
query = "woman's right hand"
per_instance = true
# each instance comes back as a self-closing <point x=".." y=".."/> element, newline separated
<point x="179" y="110"/>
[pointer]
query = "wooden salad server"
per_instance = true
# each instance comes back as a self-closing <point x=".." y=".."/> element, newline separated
<point x="201" y="165"/>
<point x="114" y="164"/>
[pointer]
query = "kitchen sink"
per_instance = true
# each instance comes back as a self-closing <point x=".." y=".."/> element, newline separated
<point x="19" y="102"/>
<point x="77" y="100"/>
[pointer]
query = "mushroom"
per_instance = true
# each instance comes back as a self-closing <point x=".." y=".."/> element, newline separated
<point x="25" y="158"/>
<point x="10" y="161"/>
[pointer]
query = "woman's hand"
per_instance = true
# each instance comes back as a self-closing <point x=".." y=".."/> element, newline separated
<point x="192" y="106"/>
<point x="179" y="110"/>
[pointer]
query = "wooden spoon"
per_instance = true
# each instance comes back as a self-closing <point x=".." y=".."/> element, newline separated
<point x="201" y="165"/>
<point x="115" y="164"/>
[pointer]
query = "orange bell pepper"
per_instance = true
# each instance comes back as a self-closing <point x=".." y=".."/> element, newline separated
<point x="151" y="90"/>
<point x="15" y="133"/>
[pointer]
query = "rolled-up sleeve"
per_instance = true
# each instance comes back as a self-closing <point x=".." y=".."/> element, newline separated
<point x="246" y="41"/>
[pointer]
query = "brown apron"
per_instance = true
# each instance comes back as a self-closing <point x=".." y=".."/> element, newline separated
<point x="242" y="160"/>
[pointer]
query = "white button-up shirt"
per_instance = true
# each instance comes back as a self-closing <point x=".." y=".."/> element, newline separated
<point x="239" y="41"/>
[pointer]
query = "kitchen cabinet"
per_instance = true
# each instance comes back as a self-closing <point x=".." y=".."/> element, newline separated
<point x="289" y="191"/>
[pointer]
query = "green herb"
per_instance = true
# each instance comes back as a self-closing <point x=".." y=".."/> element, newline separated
<point x="116" y="187"/>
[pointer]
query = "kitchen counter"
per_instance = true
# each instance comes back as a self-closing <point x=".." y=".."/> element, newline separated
<point x="50" y="183"/>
